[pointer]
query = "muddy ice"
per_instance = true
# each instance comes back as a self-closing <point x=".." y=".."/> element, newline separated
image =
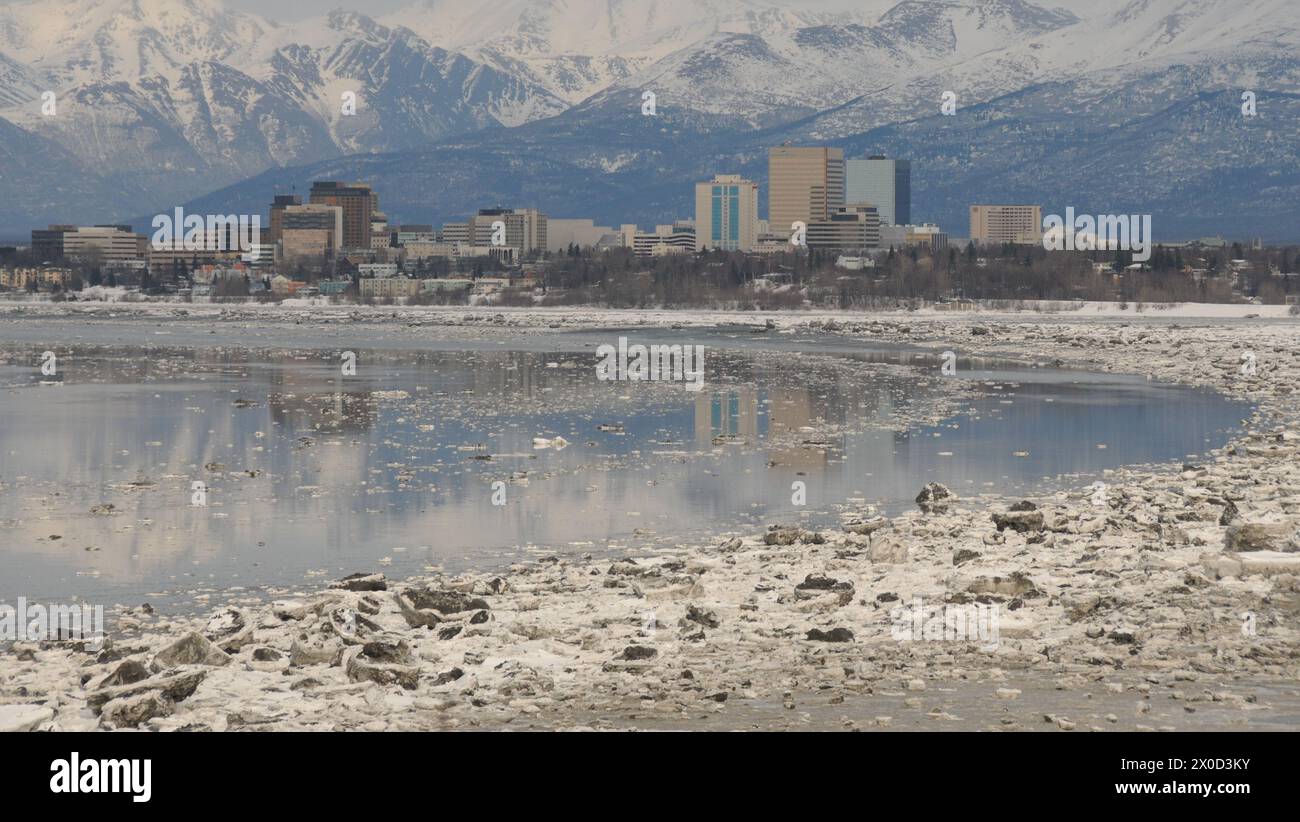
<point x="1166" y="601"/>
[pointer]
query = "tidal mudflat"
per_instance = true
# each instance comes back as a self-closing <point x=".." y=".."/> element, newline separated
<point x="1121" y="497"/>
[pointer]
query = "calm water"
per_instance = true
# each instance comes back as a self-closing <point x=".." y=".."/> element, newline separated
<point x="312" y="474"/>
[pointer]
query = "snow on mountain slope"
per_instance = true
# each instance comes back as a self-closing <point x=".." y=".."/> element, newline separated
<point x="83" y="41"/>
<point x="1109" y="51"/>
<point x="577" y="48"/>
<point x="791" y="73"/>
<point x="185" y="95"/>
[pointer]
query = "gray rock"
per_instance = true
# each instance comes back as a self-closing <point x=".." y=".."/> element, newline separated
<point x="132" y="711"/>
<point x="388" y="651"/>
<point x="315" y="649"/>
<point x="361" y="668"/>
<point x="361" y="582"/>
<point x="934" y="498"/>
<point x="229" y="629"/>
<point x="174" y="687"/>
<point x="128" y="673"/>
<point x="349" y="625"/>
<point x="416" y="617"/>
<point x="1015" y="585"/>
<point x="635" y="652"/>
<point x="191" y="649"/>
<point x="1262" y="536"/>
<point x="790" y="534"/>
<point x="1022" y="522"/>
<point x="708" y="619"/>
<point x="816" y="583"/>
<point x="443" y="601"/>
<point x="833" y="635"/>
<point x="1229" y="513"/>
<point x="866" y="527"/>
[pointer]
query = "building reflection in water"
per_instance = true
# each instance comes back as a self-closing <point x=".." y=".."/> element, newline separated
<point x="732" y="414"/>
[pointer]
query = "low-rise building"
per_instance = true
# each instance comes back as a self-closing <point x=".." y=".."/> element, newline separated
<point x="446" y="285"/>
<point x="562" y="233"/>
<point x="98" y="243"/>
<point x="674" y="238"/>
<point x="389" y="288"/>
<point x="38" y="277"/>
<point x="377" y="270"/>
<point x="852" y="228"/>
<point x="331" y="288"/>
<point x="902" y="236"/>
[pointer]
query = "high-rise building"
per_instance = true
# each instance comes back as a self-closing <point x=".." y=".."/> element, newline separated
<point x="805" y="184"/>
<point x="327" y="218"/>
<point x="726" y="213"/>
<point x="1022" y="224"/>
<point x="883" y="183"/>
<point x="851" y="228"/>
<point x="278" y="205"/>
<point x="525" y="228"/>
<point x="358" y="202"/>
<point x="310" y="230"/>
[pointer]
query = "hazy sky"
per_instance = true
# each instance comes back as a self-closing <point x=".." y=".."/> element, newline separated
<point x="298" y="9"/>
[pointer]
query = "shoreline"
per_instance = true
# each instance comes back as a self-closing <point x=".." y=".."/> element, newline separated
<point x="1139" y="594"/>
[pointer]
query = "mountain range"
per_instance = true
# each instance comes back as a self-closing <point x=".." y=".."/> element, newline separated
<point x="1127" y="106"/>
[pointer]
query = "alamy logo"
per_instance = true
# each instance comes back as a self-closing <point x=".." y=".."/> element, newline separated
<point x="129" y="776"/>
<point x="207" y="232"/>
<point x="654" y="362"/>
<point x="955" y="623"/>
<point x="1127" y="232"/>
<point x="35" y="623"/>
<point x="799" y="233"/>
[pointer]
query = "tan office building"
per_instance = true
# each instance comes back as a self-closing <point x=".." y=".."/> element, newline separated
<point x="805" y="184"/>
<point x="102" y="242"/>
<point x="358" y="202"/>
<point x="278" y="205"/>
<point x="311" y="231"/>
<point x="726" y="213"/>
<point x="1022" y="224"/>
<point x="852" y="228"/>
<point x="525" y="228"/>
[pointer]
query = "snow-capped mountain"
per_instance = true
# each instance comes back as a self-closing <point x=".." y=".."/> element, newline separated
<point x="576" y="48"/>
<point x="163" y="100"/>
<point x="169" y="98"/>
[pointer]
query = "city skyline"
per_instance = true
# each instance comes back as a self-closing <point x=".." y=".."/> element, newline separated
<point x="614" y="110"/>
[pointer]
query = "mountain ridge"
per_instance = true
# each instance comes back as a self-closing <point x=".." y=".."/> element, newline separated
<point x="213" y="99"/>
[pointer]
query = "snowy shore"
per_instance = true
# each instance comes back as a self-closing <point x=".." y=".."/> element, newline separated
<point x="1172" y="587"/>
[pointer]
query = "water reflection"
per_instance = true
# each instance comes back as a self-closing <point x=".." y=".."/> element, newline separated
<point x="311" y="471"/>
